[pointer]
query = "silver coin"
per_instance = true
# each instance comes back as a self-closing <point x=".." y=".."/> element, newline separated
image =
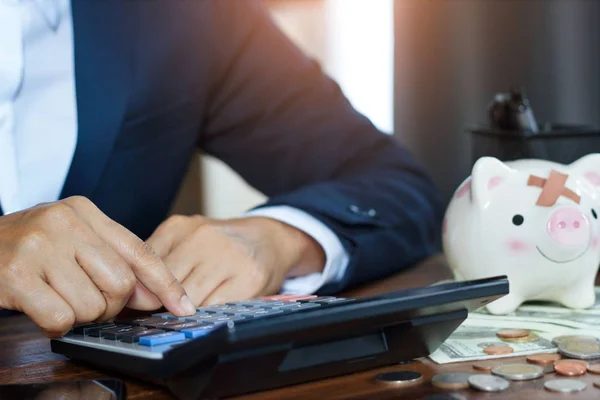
<point x="559" y="339"/>
<point x="454" y="380"/>
<point x="518" y="372"/>
<point x="488" y="383"/>
<point x="580" y="349"/>
<point x="565" y="385"/>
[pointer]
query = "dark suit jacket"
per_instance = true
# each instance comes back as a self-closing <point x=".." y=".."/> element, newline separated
<point x="158" y="79"/>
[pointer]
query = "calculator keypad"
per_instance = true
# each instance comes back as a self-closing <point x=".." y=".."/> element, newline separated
<point x="161" y="331"/>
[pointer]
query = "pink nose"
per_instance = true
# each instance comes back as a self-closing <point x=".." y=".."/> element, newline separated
<point x="569" y="227"/>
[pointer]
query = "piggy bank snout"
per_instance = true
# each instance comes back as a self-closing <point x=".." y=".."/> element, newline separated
<point x="568" y="226"/>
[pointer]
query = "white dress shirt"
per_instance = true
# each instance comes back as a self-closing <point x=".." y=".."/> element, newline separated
<point x="38" y="124"/>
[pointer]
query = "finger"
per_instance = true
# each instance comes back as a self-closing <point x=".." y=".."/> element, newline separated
<point x="109" y="272"/>
<point x="146" y="265"/>
<point x="78" y="290"/>
<point x="171" y="233"/>
<point x="46" y="308"/>
<point x="236" y="288"/>
<point x="202" y="281"/>
<point x="143" y="299"/>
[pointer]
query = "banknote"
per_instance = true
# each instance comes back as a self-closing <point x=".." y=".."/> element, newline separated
<point x="475" y="334"/>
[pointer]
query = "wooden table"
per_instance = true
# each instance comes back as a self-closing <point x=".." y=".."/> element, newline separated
<point x="25" y="357"/>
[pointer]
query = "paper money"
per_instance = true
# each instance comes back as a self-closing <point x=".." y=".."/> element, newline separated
<point x="474" y="335"/>
<point x="545" y="320"/>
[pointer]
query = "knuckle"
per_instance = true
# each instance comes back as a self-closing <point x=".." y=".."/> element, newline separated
<point x="33" y="241"/>
<point x="78" y="202"/>
<point x="145" y="254"/>
<point x="176" y="220"/>
<point x="124" y="286"/>
<point x="15" y="274"/>
<point x="59" y="212"/>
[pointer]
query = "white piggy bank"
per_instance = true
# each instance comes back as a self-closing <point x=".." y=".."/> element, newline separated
<point x="536" y="222"/>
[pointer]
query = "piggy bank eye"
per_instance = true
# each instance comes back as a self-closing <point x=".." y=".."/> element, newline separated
<point x="518" y="219"/>
<point x="594" y="214"/>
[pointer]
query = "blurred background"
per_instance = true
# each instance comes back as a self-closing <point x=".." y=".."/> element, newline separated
<point x="425" y="70"/>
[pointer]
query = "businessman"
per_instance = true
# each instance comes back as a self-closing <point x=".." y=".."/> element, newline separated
<point x="102" y="104"/>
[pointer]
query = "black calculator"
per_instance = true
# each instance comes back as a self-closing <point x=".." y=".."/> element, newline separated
<point x="265" y="343"/>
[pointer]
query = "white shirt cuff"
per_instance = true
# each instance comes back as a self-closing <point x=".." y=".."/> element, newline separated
<point x="336" y="256"/>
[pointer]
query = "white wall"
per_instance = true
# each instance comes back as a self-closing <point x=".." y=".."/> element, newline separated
<point x="353" y="41"/>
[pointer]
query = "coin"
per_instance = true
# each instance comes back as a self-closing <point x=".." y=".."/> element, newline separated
<point x="543" y="359"/>
<point x="483" y="366"/>
<point x="518" y="372"/>
<point x="594" y="368"/>
<point x="398" y="378"/>
<point x="512" y="333"/>
<point x="559" y="339"/>
<point x="597" y="384"/>
<point x="498" y="350"/>
<point x="582" y="362"/>
<point x="488" y="383"/>
<point x="456" y="380"/>
<point x="565" y="385"/>
<point x="569" y="368"/>
<point x="581" y="349"/>
<point x="532" y="337"/>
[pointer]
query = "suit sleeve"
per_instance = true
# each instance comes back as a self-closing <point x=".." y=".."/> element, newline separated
<point x="288" y="130"/>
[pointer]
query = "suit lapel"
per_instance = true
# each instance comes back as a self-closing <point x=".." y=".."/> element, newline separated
<point x="103" y="35"/>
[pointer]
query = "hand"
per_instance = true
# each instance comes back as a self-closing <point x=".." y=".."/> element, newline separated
<point x="226" y="260"/>
<point x="66" y="262"/>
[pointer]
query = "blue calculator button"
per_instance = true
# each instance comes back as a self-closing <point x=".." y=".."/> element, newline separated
<point x="192" y="333"/>
<point x="162" y="338"/>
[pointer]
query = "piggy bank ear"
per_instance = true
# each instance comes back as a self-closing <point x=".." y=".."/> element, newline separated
<point x="589" y="167"/>
<point x="488" y="173"/>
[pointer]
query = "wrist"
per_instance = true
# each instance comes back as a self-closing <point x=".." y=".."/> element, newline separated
<point x="300" y="253"/>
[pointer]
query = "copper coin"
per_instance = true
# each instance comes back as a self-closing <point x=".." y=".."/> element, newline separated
<point x="543" y="359"/>
<point x="582" y="362"/>
<point x="594" y="368"/>
<point x="512" y="333"/>
<point x="483" y="366"/>
<point x="569" y="368"/>
<point x="498" y="350"/>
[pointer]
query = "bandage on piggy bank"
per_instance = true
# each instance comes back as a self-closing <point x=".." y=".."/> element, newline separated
<point x="533" y="220"/>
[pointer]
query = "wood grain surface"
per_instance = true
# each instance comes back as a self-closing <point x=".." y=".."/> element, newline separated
<point x="25" y="357"/>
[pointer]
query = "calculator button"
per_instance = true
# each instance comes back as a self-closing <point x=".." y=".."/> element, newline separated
<point x="138" y="321"/>
<point x="162" y="338"/>
<point x="165" y="315"/>
<point x="298" y="298"/>
<point x="134" y="336"/>
<point x="333" y="300"/>
<point x="297" y="306"/>
<point x="249" y="303"/>
<point x="112" y="334"/>
<point x="159" y="323"/>
<point x="182" y="325"/>
<point x="97" y="332"/>
<point x="192" y="333"/>
<point x="260" y="313"/>
<point x="87" y="329"/>
<point x="165" y="324"/>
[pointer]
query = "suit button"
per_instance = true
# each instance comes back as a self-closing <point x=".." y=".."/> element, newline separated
<point x="354" y="209"/>
<point x="372" y="213"/>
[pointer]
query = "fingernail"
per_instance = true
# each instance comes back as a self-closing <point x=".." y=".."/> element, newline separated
<point x="187" y="305"/>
